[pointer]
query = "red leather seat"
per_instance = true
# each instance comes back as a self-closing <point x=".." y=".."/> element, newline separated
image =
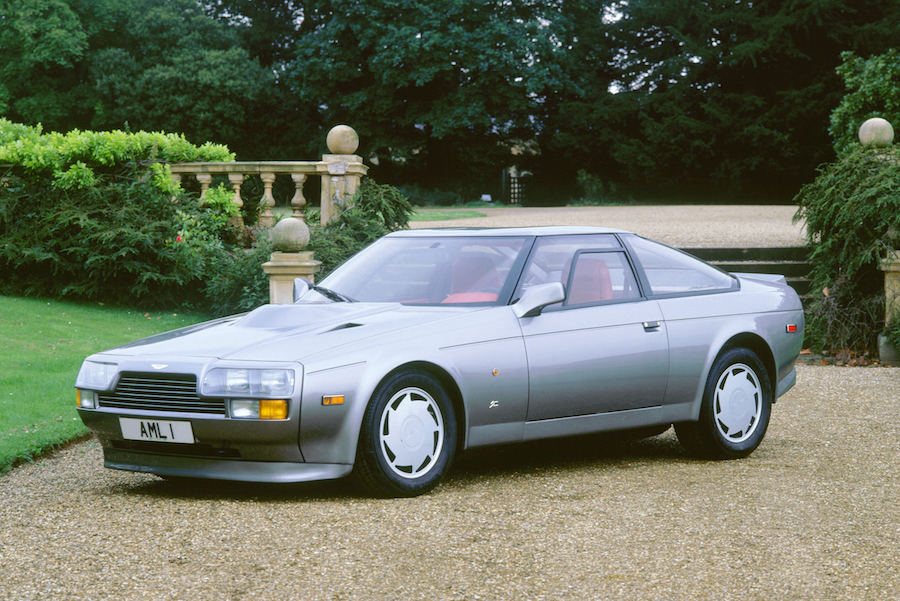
<point x="473" y="279"/>
<point x="590" y="282"/>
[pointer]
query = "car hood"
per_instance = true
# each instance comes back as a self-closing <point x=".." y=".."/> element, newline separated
<point x="285" y="332"/>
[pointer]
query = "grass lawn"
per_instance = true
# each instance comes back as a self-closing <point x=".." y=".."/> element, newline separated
<point x="444" y="214"/>
<point x="44" y="343"/>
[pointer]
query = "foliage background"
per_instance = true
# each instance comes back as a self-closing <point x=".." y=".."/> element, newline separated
<point x="852" y="215"/>
<point x="694" y="99"/>
<point x="97" y="216"/>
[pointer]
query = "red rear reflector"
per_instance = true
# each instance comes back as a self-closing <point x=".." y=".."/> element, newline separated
<point x="791" y="328"/>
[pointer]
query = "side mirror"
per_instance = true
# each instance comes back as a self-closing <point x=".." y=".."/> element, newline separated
<point x="535" y="298"/>
<point x="301" y="287"/>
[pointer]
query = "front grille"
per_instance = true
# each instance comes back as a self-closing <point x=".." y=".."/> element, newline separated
<point x="160" y="392"/>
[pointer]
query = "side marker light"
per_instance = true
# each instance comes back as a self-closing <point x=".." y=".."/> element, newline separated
<point x="791" y="328"/>
<point x="333" y="399"/>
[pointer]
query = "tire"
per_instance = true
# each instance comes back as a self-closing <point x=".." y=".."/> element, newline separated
<point x="734" y="414"/>
<point x="408" y="436"/>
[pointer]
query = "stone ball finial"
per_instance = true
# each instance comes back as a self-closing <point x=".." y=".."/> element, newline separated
<point x="342" y="139"/>
<point x="877" y="132"/>
<point x="290" y="235"/>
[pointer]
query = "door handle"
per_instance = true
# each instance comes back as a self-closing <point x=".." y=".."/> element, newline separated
<point x="649" y="326"/>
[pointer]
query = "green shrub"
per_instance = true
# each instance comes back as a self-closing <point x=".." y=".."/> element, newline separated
<point x="873" y="90"/>
<point x="594" y="191"/>
<point x="97" y="216"/>
<point x="852" y="214"/>
<point x="235" y="281"/>
<point x="376" y="210"/>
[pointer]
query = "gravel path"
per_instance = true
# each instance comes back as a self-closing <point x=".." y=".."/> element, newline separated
<point x="811" y="515"/>
<point x="677" y="225"/>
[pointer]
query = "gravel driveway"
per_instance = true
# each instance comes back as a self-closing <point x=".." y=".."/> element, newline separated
<point x="811" y="514"/>
<point x="677" y="225"/>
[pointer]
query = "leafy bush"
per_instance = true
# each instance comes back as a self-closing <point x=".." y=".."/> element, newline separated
<point x="594" y="191"/>
<point x="235" y="281"/>
<point x="873" y="90"/>
<point x="376" y="210"/>
<point x="91" y="215"/>
<point x="852" y="214"/>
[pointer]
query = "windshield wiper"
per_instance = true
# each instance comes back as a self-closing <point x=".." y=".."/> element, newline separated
<point x="332" y="295"/>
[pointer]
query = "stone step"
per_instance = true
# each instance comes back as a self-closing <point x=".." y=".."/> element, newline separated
<point x="788" y="269"/>
<point x="764" y="253"/>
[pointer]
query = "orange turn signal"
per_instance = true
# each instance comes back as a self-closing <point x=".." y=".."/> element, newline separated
<point x="333" y="399"/>
<point x="273" y="409"/>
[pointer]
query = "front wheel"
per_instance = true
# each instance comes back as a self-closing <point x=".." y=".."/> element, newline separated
<point x="734" y="414"/>
<point x="408" y="436"/>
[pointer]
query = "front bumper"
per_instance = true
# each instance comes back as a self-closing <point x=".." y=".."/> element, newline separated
<point x="222" y="469"/>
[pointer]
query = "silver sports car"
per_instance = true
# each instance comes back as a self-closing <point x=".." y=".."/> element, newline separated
<point x="430" y="342"/>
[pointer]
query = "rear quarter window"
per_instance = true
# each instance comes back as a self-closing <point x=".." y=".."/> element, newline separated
<point x="670" y="271"/>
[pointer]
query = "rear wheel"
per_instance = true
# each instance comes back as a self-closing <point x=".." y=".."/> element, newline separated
<point x="408" y="436"/>
<point x="734" y="414"/>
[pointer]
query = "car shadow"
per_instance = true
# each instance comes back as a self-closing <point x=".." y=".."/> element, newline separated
<point x="501" y="462"/>
<point x="569" y="453"/>
<point x="203" y="489"/>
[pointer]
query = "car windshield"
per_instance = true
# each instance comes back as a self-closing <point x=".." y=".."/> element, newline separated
<point x="432" y="270"/>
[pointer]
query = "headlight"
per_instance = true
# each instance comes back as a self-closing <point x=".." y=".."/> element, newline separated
<point x="95" y="375"/>
<point x="227" y="381"/>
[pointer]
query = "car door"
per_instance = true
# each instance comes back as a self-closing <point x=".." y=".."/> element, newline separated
<point x="605" y="347"/>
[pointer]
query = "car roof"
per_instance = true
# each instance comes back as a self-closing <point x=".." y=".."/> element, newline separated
<point x="546" y="230"/>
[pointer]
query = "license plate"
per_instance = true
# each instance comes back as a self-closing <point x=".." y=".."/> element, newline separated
<point x="156" y="430"/>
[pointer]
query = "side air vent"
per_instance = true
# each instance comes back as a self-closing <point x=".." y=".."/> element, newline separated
<point x="343" y="326"/>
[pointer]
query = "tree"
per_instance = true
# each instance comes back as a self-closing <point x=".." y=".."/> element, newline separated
<point x="40" y="45"/>
<point x="139" y="64"/>
<point x="172" y="67"/>
<point x="873" y="90"/>
<point x="441" y="88"/>
<point x="734" y="95"/>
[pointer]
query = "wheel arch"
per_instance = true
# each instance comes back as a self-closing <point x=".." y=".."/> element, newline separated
<point x="760" y="348"/>
<point x="450" y="386"/>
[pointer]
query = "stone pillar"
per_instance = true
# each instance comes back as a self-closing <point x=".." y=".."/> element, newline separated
<point x="890" y="265"/>
<point x="205" y="180"/>
<point x="236" y="179"/>
<point x="298" y="201"/>
<point x="879" y="133"/>
<point x="343" y="170"/>
<point x="289" y="261"/>
<point x="267" y="202"/>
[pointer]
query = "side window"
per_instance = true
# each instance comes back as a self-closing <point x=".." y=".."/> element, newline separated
<point x="670" y="271"/>
<point x="599" y="277"/>
<point x="582" y="263"/>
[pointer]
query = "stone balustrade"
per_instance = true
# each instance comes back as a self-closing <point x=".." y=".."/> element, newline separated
<point x="340" y="174"/>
